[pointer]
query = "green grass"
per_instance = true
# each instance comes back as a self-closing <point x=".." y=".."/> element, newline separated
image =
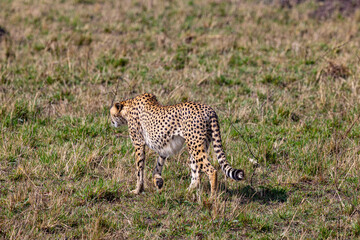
<point x="289" y="83"/>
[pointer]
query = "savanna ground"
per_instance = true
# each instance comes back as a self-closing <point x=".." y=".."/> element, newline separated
<point x="288" y="81"/>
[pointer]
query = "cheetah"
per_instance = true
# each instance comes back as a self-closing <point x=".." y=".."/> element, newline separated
<point x="165" y="129"/>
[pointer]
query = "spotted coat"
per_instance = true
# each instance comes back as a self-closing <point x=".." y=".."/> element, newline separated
<point x="165" y="129"/>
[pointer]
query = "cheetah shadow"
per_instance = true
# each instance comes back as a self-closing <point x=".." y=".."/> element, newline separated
<point x="262" y="194"/>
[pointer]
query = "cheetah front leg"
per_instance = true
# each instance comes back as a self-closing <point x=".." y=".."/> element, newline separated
<point x="158" y="180"/>
<point x="140" y="162"/>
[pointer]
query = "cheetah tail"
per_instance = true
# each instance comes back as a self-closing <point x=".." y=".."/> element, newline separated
<point x="236" y="174"/>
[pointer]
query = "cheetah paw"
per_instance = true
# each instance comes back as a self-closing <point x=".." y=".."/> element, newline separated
<point x="159" y="182"/>
<point x="137" y="190"/>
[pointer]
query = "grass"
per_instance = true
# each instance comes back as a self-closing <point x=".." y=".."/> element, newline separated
<point x="288" y="82"/>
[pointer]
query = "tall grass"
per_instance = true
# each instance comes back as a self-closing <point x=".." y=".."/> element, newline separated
<point x="288" y="82"/>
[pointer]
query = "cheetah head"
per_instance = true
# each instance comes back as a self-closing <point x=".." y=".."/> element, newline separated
<point x="118" y="115"/>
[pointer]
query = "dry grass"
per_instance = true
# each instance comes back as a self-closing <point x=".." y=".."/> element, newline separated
<point x="289" y="83"/>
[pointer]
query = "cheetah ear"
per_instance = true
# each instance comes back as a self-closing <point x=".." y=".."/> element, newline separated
<point x="118" y="106"/>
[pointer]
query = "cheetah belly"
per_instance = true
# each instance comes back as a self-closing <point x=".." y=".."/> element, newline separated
<point x="172" y="147"/>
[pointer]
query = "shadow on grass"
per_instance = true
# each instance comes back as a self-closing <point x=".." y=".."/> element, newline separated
<point x="263" y="194"/>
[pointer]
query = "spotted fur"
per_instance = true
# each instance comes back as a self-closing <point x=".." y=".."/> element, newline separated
<point x="165" y="129"/>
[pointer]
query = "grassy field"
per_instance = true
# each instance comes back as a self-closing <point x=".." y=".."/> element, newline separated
<point x="288" y="82"/>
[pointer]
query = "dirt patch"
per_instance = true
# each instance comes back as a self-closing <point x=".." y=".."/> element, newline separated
<point x="3" y="32"/>
<point x="327" y="8"/>
<point x="337" y="70"/>
<point x="290" y="3"/>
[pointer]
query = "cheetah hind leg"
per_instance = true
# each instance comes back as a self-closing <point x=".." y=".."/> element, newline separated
<point x="158" y="180"/>
<point x="210" y="171"/>
<point x="195" y="175"/>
